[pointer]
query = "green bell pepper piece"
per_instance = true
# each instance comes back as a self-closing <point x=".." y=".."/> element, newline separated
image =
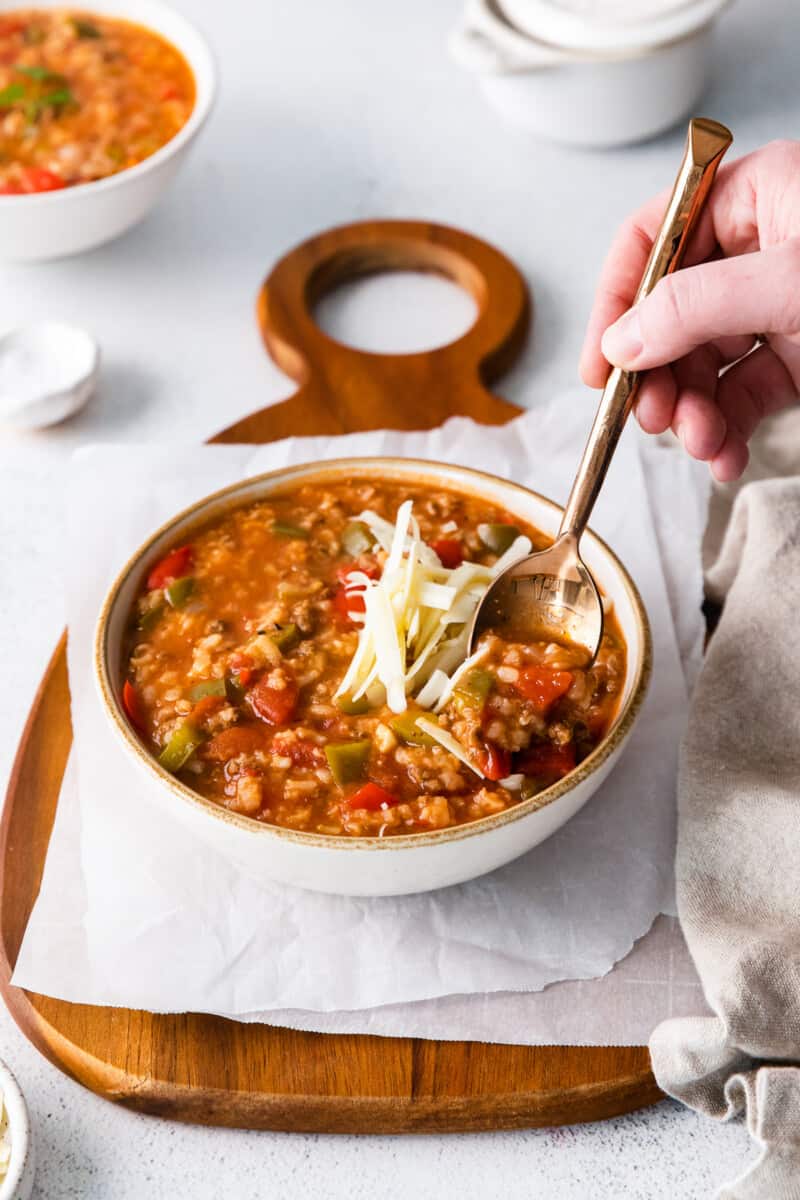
<point x="473" y="691"/>
<point x="405" y="727"/>
<point x="180" y="747"/>
<point x="347" y="760"/>
<point x="285" y="637"/>
<point x="210" y="687"/>
<point x="351" y="707"/>
<point x="180" y="590"/>
<point x="149" y="619"/>
<point x="288" y="530"/>
<point x="497" y="538"/>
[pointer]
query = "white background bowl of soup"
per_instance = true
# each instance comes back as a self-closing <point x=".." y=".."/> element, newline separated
<point x="394" y="865"/>
<point x="44" y="225"/>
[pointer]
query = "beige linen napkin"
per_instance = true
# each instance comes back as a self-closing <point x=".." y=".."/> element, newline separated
<point x="738" y="855"/>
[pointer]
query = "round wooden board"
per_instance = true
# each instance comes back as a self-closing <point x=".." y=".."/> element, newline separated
<point x="214" y="1071"/>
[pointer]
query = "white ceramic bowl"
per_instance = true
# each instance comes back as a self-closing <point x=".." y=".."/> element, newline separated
<point x="18" y="1182"/>
<point x="606" y="95"/>
<point x="396" y="865"/>
<point x="49" y="225"/>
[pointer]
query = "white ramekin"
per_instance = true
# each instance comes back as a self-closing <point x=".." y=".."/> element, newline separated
<point x="610" y="90"/>
<point x="396" y="865"/>
<point x="18" y="1182"/>
<point x="48" y="225"/>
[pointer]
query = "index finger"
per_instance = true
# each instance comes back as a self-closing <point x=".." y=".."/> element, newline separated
<point x="622" y="272"/>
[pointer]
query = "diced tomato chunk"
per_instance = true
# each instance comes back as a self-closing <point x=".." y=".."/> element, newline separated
<point x="449" y="552"/>
<point x="495" y="762"/>
<point x="173" y="566"/>
<point x="274" y="697"/>
<point x="169" y="91"/>
<point x="132" y="706"/>
<point x="370" y="797"/>
<point x="547" y="760"/>
<point x="32" y="179"/>
<point x="39" y="179"/>
<point x="239" y="739"/>
<point x="302" y="753"/>
<point x="543" y="687"/>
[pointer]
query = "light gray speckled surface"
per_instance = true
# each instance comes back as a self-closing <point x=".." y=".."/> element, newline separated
<point x="331" y="113"/>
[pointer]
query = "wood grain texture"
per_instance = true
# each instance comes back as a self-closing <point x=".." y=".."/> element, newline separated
<point x="214" y="1071"/>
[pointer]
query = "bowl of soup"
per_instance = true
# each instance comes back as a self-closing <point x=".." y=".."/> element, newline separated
<point x="290" y="660"/>
<point x="98" y="108"/>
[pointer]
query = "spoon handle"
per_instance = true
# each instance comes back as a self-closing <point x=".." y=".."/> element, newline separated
<point x="706" y="143"/>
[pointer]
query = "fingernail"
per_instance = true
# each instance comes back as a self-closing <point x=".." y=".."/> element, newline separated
<point x="622" y="342"/>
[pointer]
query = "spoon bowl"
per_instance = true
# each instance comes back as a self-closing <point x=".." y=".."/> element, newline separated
<point x="551" y="596"/>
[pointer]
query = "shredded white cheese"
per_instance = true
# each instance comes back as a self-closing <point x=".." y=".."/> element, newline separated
<point x="414" y="632"/>
<point x="414" y="626"/>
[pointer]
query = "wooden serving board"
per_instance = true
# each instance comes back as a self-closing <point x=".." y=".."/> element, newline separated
<point x="216" y="1071"/>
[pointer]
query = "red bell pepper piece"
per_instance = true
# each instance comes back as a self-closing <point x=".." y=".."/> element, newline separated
<point x="449" y="552"/>
<point x="543" y="687"/>
<point x="495" y="762"/>
<point x="370" y="797"/>
<point x="173" y="566"/>
<point x="346" y="603"/>
<point x="132" y="706"/>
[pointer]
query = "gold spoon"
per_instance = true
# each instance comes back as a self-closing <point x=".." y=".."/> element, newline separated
<point x="551" y="595"/>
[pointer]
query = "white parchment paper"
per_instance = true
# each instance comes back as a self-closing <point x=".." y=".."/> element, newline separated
<point x="134" y="911"/>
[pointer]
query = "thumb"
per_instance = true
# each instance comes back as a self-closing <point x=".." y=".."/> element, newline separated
<point x="751" y="293"/>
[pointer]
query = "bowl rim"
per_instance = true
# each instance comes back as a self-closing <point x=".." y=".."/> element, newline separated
<point x="19" y="1130"/>
<point x="203" y="65"/>
<point x="226" y="497"/>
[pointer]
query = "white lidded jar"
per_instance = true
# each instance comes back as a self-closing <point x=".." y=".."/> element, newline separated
<point x="589" y="72"/>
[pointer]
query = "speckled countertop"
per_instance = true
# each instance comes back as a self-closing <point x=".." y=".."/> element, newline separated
<point x="331" y="113"/>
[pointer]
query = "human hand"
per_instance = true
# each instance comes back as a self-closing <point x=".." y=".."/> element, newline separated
<point x="741" y="282"/>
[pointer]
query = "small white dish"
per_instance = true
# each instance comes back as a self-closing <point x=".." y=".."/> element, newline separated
<point x="45" y="225"/>
<point x="18" y="1183"/>
<point x="375" y="866"/>
<point x="48" y="371"/>
<point x="568" y="74"/>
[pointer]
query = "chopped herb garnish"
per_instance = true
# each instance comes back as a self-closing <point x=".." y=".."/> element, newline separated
<point x="40" y="74"/>
<point x="33" y="97"/>
<point x="9" y="95"/>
